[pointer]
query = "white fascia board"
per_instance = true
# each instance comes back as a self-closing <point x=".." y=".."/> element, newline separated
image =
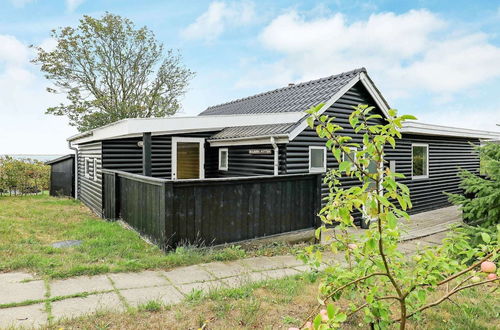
<point x="267" y="139"/>
<point x="382" y="105"/>
<point x="303" y="125"/>
<point x="174" y="125"/>
<point x="419" y="128"/>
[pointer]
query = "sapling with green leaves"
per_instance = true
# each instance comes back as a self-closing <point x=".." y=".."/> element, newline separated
<point x="381" y="283"/>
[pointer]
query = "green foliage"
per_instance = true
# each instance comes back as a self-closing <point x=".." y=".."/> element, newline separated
<point x="379" y="280"/>
<point x="111" y="70"/>
<point x="25" y="176"/>
<point x="481" y="200"/>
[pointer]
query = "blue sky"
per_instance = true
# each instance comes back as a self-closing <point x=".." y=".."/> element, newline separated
<point x="438" y="60"/>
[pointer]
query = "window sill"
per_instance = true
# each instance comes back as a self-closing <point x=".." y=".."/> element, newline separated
<point x="317" y="170"/>
<point x="420" y="177"/>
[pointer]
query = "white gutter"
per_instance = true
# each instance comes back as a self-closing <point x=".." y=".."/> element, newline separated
<point x="75" y="149"/>
<point x="276" y="154"/>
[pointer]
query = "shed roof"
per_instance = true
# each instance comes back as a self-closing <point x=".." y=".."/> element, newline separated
<point x="59" y="159"/>
<point x="293" y="98"/>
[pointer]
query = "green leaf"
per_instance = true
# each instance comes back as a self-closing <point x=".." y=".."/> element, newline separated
<point x="330" y="310"/>
<point x="310" y="121"/>
<point x="486" y="238"/>
<point x="317" y="321"/>
<point x="344" y="166"/>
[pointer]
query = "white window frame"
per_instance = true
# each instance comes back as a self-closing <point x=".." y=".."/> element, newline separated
<point x="317" y="169"/>
<point x="223" y="168"/>
<point x="426" y="175"/>
<point x="353" y="166"/>
<point x="86" y="167"/>
<point x="95" y="169"/>
<point x="201" y="142"/>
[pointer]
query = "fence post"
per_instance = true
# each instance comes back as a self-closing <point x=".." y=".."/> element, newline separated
<point x="162" y="217"/>
<point x="317" y="199"/>
<point x="169" y="229"/>
<point x="116" y="196"/>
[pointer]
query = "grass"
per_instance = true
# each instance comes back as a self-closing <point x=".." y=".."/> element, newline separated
<point x="280" y="304"/>
<point x="30" y="224"/>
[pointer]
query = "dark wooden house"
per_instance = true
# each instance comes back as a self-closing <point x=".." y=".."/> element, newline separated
<point x="266" y="134"/>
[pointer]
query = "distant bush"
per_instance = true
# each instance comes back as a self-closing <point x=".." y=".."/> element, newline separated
<point x="23" y="176"/>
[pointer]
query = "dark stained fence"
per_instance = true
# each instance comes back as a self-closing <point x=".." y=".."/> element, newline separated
<point x="211" y="211"/>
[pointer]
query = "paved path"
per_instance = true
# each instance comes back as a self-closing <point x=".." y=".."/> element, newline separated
<point x="73" y="297"/>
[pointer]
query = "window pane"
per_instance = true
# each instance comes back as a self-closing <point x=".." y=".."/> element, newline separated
<point x="317" y="158"/>
<point x="223" y="159"/>
<point x="419" y="160"/>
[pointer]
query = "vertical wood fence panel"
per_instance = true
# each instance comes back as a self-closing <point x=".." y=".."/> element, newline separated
<point x="211" y="211"/>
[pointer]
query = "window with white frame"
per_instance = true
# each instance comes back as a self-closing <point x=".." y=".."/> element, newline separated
<point x="352" y="158"/>
<point x="317" y="159"/>
<point x="94" y="169"/>
<point x="419" y="161"/>
<point x="223" y="159"/>
<point x="90" y="166"/>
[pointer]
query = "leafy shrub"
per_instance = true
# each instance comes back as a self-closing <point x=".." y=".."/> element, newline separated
<point x="25" y="176"/>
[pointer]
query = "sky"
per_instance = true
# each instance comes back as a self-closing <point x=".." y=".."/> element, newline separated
<point x="437" y="60"/>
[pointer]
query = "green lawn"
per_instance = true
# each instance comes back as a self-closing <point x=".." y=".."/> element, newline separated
<point x="29" y="224"/>
<point x="280" y="304"/>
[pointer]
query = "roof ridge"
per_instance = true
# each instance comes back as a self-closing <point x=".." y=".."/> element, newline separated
<point x="301" y="84"/>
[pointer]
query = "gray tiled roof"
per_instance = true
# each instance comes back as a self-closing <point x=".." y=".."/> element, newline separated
<point x="249" y="131"/>
<point x="294" y="98"/>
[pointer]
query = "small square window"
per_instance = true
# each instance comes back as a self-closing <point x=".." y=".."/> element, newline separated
<point x="317" y="159"/>
<point x="223" y="159"/>
<point x="419" y="161"/>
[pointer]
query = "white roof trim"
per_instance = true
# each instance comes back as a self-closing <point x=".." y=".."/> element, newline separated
<point x="370" y="88"/>
<point x="177" y="125"/>
<point x="415" y="127"/>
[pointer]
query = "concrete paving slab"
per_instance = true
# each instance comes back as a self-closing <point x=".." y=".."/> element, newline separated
<point x="241" y="280"/>
<point x="280" y="273"/>
<point x="80" y="284"/>
<point x="266" y="263"/>
<point x="188" y="274"/>
<point x="221" y="269"/>
<point x="138" y="280"/>
<point x="15" y="292"/>
<point x="206" y="286"/>
<point x="15" y="277"/>
<point x="167" y="295"/>
<point x="32" y="316"/>
<point x="75" y="307"/>
<point x="435" y="239"/>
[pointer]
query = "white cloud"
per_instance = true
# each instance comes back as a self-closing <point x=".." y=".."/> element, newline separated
<point x="71" y="5"/>
<point x="24" y="128"/>
<point x="472" y="118"/>
<point x="218" y="17"/>
<point x="20" y="3"/>
<point x="416" y="49"/>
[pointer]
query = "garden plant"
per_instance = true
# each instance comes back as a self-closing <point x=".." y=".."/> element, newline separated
<point x="380" y="282"/>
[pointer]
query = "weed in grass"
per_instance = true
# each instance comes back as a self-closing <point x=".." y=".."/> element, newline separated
<point x="221" y="308"/>
<point x="195" y="296"/>
<point x="249" y="311"/>
<point x="150" y="306"/>
<point x="290" y="320"/>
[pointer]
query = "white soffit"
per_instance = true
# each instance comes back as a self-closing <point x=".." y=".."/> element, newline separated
<point x="178" y="125"/>
<point x="419" y="128"/>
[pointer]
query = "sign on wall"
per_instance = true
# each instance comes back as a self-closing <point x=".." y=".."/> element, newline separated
<point x="260" y="151"/>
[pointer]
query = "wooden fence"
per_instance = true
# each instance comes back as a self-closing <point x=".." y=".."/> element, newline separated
<point x="211" y="211"/>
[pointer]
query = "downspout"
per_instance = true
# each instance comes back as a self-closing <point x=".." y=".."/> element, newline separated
<point x="76" y="167"/>
<point x="276" y="155"/>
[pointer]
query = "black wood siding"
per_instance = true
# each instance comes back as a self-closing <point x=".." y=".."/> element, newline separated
<point x="126" y="155"/>
<point x="446" y="155"/>
<point x="62" y="178"/>
<point x="90" y="190"/>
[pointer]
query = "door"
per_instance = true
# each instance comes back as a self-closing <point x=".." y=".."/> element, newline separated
<point x="188" y="158"/>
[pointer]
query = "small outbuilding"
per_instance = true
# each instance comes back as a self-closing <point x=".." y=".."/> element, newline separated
<point x="62" y="176"/>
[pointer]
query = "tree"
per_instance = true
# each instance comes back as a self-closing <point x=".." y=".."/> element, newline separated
<point x="110" y="70"/>
<point x="481" y="200"/>
<point x="376" y="278"/>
